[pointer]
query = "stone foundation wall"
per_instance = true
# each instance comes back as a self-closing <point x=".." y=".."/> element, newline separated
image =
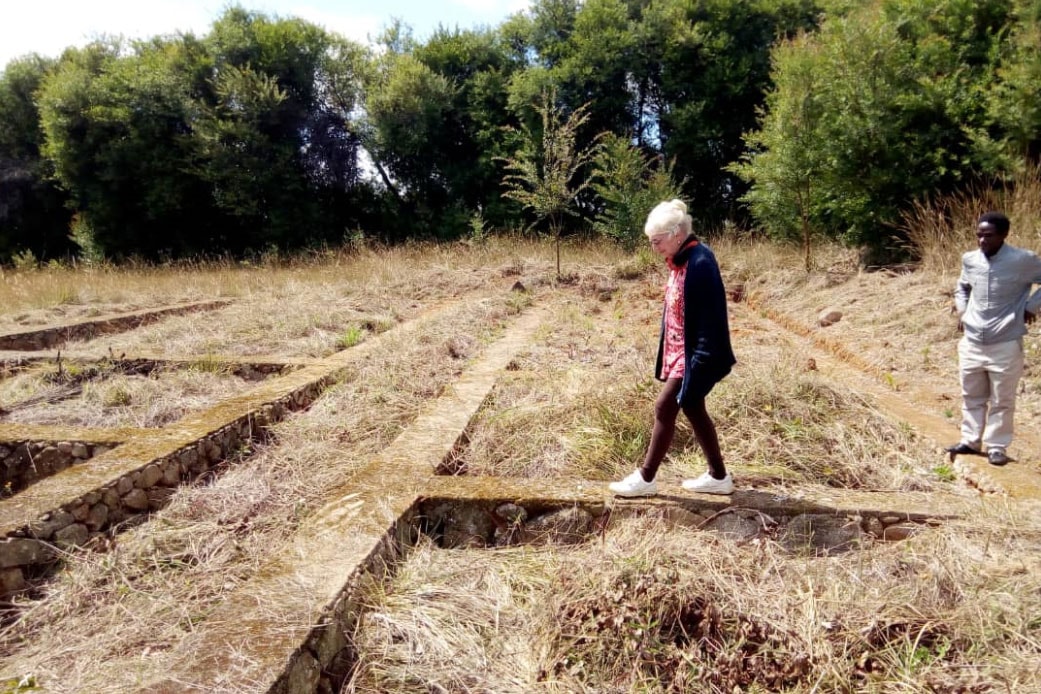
<point x="325" y="660"/>
<point x="459" y="524"/>
<point x="52" y="336"/>
<point x="32" y="549"/>
<point x="25" y="462"/>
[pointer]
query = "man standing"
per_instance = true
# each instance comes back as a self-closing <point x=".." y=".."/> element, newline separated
<point x="995" y="306"/>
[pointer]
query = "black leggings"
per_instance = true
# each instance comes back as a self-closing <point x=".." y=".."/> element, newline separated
<point x="666" y="409"/>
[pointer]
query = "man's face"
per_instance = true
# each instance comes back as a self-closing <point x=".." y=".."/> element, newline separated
<point x="989" y="239"/>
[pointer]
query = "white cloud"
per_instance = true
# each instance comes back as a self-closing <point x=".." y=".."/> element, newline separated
<point x="48" y="27"/>
<point x="359" y="27"/>
<point x="495" y="8"/>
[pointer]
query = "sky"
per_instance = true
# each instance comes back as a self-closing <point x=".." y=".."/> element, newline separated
<point x="48" y="27"/>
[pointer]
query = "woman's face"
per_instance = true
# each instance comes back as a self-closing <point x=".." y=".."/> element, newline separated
<point x="666" y="245"/>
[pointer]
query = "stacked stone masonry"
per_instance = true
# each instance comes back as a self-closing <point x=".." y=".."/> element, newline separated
<point x="25" y="462"/>
<point x="51" y="336"/>
<point x="30" y="550"/>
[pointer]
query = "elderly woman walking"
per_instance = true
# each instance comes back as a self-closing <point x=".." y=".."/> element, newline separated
<point x="694" y="352"/>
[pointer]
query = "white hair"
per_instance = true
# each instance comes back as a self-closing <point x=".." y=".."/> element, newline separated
<point x="667" y="219"/>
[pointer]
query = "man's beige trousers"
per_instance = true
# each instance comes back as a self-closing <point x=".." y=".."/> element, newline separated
<point x="989" y="377"/>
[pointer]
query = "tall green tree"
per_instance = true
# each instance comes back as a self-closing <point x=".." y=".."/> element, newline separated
<point x="275" y="140"/>
<point x="33" y="216"/>
<point x="406" y="108"/>
<point x="786" y="164"/>
<point x="897" y="114"/>
<point x="116" y="122"/>
<point x="706" y="85"/>
<point x="1014" y="98"/>
<point x="479" y="66"/>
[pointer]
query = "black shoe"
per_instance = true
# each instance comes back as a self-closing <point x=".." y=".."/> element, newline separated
<point x="997" y="457"/>
<point x="962" y="449"/>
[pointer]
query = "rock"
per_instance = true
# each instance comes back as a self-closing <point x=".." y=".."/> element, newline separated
<point x="735" y="525"/>
<point x="512" y="513"/>
<point x="12" y="580"/>
<point x="149" y="477"/>
<point x="518" y="286"/>
<point x="97" y="517"/>
<point x="465" y="525"/>
<point x="566" y="526"/>
<point x="23" y="551"/>
<point x="823" y="534"/>
<point x="50" y="523"/>
<point x="80" y="450"/>
<point x="71" y="536"/>
<point x="136" y="500"/>
<point x="828" y="317"/>
<point x="678" y="517"/>
<point x="124" y="485"/>
<point x="900" y="531"/>
<point x="873" y="526"/>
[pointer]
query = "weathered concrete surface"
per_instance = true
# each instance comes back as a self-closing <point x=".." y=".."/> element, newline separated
<point x="557" y="492"/>
<point x="11" y="432"/>
<point x="363" y="529"/>
<point x="56" y="334"/>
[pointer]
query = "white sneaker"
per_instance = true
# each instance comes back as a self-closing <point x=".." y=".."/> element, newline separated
<point x="707" y="484"/>
<point x="634" y="485"/>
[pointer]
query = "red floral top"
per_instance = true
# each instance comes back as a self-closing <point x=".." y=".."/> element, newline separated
<point x="672" y="360"/>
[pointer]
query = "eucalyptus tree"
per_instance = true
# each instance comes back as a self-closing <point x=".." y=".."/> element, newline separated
<point x="33" y="218"/>
<point x="117" y="123"/>
<point x="273" y="137"/>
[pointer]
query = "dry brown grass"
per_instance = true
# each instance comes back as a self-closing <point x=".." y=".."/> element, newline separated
<point x="645" y="606"/>
<point x="135" y="604"/>
<point x="941" y="230"/>
<point x="125" y="400"/>
<point x="580" y="403"/>
<point x="656" y="609"/>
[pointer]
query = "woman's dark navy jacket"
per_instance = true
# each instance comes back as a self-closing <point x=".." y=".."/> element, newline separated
<point x="707" y="352"/>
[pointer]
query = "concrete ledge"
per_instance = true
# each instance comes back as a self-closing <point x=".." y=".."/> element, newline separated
<point x="81" y="502"/>
<point x="363" y="529"/>
<point x="11" y="432"/>
<point x="50" y="336"/>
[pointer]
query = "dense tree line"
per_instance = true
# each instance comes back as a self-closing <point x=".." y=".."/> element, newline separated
<point x="803" y="117"/>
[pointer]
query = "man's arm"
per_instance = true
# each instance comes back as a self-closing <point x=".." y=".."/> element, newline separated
<point x="962" y="290"/>
<point x="1034" y="301"/>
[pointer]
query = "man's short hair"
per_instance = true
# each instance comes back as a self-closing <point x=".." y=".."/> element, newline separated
<point x="998" y="219"/>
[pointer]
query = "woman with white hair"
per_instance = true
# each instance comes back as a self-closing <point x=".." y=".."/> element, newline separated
<point x="694" y="352"/>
